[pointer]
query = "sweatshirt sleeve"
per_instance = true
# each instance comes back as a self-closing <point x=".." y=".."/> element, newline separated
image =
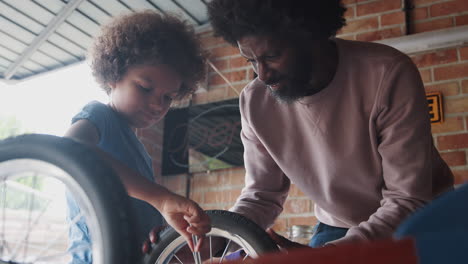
<point x="404" y="145"/>
<point x="266" y="186"/>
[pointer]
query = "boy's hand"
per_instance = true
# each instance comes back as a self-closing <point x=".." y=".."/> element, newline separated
<point x="186" y="217"/>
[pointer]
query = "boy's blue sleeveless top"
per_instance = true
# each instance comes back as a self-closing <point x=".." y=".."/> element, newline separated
<point x="118" y="140"/>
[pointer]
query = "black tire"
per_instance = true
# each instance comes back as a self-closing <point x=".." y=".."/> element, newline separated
<point x="98" y="181"/>
<point x="232" y="222"/>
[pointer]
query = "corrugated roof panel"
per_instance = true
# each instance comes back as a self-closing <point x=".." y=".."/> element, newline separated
<point x="83" y="23"/>
<point x="5" y="62"/>
<point x="31" y="9"/>
<point x="20" y="19"/>
<point x="67" y="44"/>
<point x="138" y="5"/>
<point x="8" y="54"/>
<point x="53" y="5"/>
<point x="23" y="26"/>
<point x="45" y="60"/>
<point x="26" y="68"/>
<point x="23" y="73"/>
<point x="197" y="8"/>
<point x="169" y="6"/>
<point x="34" y="66"/>
<point x="112" y="7"/>
<point x="12" y="43"/>
<point x="70" y="32"/>
<point x="58" y="53"/>
<point x="18" y="32"/>
<point x="93" y="13"/>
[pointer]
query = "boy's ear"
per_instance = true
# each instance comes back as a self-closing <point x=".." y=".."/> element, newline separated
<point x="111" y="85"/>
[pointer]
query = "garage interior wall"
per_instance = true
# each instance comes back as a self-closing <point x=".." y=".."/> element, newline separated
<point x="442" y="70"/>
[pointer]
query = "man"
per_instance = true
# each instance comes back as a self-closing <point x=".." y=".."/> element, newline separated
<point x="345" y="121"/>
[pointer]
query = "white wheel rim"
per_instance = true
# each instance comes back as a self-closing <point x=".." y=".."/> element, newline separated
<point x="11" y="245"/>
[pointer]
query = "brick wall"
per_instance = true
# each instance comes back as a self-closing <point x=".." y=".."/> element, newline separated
<point x="444" y="70"/>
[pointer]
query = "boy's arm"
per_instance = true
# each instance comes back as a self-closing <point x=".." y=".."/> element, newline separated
<point x="181" y="213"/>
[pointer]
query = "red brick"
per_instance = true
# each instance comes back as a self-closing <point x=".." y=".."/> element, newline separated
<point x="297" y="206"/>
<point x="204" y="181"/>
<point x="450" y="124"/>
<point x="238" y="62"/>
<point x="426" y="75"/>
<point x="197" y="196"/>
<point x="174" y="183"/>
<point x="236" y="76"/>
<point x="200" y="98"/>
<point x="358" y="25"/>
<point x="152" y="135"/>
<point x="211" y="41"/>
<point x="149" y="146"/>
<point x="303" y="220"/>
<point x="461" y="20"/>
<point x="464" y="53"/>
<point x="452" y="142"/>
<point x="461" y="176"/>
<point x="447" y="89"/>
<point x="251" y="74"/>
<point x="447" y="8"/>
<point x="280" y="225"/>
<point x="456" y="105"/>
<point x="348" y="2"/>
<point x="350" y="11"/>
<point x="456" y="158"/>
<point x="435" y="58"/>
<point x="378" y="7"/>
<point x="217" y="94"/>
<point x="380" y="34"/>
<point x="432" y="25"/>
<point x="392" y="18"/>
<point x="224" y="51"/>
<point x="451" y="72"/>
<point x="465" y="86"/>
<point x="221" y="65"/>
<point x="347" y="37"/>
<point x="223" y="196"/>
<point x="234" y="92"/>
<point x="425" y="2"/>
<point x="216" y="79"/>
<point x="295" y="192"/>
<point x="236" y="176"/>
<point x="419" y="13"/>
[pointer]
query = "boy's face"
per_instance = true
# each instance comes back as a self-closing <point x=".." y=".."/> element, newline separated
<point x="284" y="65"/>
<point x="144" y="94"/>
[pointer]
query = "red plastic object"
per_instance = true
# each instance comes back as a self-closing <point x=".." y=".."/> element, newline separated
<point x="381" y="252"/>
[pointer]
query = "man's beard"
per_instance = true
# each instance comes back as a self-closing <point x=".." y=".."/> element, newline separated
<point x="296" y="88"/>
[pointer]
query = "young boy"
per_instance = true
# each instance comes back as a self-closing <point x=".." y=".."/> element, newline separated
<point x="143" y="61"/>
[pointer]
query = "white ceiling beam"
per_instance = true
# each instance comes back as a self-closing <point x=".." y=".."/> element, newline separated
<point x="43" y="36"/>
<point x="428" y="41"/>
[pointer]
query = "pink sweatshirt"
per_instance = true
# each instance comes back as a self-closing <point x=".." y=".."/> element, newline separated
<point x="361" y="149"/>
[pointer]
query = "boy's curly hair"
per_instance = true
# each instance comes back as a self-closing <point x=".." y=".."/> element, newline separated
<point x="147" y="37"/>
<point x="234" y="19"/>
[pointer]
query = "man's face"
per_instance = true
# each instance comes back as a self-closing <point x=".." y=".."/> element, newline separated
<point x="284" y="66"/>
